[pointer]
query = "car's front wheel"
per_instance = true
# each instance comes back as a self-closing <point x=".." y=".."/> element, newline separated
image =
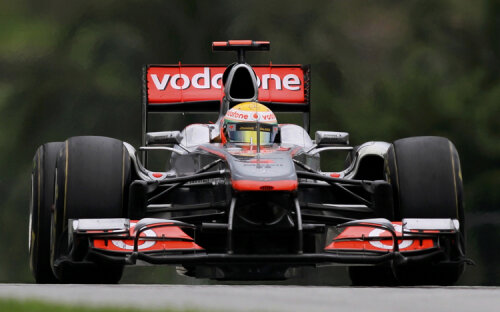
<point x="92" y="179"/>
<point x="427" y="183"/>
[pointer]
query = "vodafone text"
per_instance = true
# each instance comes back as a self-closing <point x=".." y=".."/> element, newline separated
<point x="205" y="80"/>
<point x="240" y="115"/>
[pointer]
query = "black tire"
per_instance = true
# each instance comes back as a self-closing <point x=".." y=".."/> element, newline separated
<point x="42" y="199"/>
<point x="427" y="183"/>
<point x="92" y="179"/>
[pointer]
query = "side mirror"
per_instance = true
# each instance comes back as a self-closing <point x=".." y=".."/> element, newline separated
<point x="324" y="138"/>
<point x="163" y="138"/>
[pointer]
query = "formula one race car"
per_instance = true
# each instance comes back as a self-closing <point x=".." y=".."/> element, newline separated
<point x="245" y="198"/>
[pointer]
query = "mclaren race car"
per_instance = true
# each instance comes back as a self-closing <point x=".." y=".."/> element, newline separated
<point x="245" y="197"/>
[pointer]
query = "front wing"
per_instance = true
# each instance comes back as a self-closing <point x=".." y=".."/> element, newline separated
<point x="360" y="242"/>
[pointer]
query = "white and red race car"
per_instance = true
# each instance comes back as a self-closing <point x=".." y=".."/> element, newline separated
<point x="233" y="211"/>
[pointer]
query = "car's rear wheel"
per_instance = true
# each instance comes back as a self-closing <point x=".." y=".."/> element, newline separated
<point x="92" y="179"/>
<point x="42" y="199"/>
<point x="427" y="182"/>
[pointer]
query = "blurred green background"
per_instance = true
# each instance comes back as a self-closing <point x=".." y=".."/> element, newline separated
<point x="381" y="70"/>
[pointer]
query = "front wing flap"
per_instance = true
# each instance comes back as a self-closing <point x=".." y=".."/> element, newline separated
<point x="146" y="235"/>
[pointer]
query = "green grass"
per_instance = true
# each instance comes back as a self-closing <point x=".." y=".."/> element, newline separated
<point x="14" y="305"/>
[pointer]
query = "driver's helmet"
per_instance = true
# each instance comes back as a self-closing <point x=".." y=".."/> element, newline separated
<point x="240" y="124"/>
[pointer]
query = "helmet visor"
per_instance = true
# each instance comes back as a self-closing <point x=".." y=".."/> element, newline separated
<point x="247" y="133"/>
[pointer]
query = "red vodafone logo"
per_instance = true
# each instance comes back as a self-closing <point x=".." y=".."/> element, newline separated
<point x="171" y="84"/>
<point x="268" y="117"/>
<point x="239" y="115"/>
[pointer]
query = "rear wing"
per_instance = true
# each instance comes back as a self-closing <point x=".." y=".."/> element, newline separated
<point x="198" y="89"/>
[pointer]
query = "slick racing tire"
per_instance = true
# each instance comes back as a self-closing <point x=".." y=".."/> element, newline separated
<point x="42" y="199"/>
<point x="427" y="183"/>
<point x="92" y="180"/>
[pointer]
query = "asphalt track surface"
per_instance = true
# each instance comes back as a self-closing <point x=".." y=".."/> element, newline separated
<point x="264" y="298"/>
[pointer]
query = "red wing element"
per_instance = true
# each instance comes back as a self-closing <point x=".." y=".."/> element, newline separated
<point x="360" y="238"/>
<point x="248" y="45"/>
<point x="168" y="238"/>
<point x="174" y="84"/>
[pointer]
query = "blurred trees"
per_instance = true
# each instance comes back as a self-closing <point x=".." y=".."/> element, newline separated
<point x="381" y="70"/>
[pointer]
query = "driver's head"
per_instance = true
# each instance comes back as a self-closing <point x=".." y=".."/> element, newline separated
<point x="240" y="124"/>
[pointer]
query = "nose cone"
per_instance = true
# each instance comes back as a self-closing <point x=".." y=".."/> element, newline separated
<point x="272" y="170"/>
